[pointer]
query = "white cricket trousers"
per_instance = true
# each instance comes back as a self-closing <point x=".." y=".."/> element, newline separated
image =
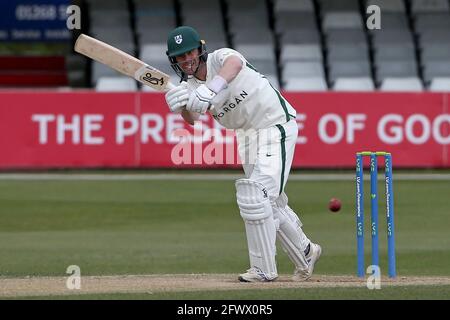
<point x="266" y="156"/>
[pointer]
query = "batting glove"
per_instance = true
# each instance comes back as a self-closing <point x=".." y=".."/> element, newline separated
<point x="200" y="99"/>
<point x="205" y="96"/>
<point x="178" y="97"/>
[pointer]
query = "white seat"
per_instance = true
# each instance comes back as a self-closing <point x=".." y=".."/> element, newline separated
<point x="152" y="38"/>
<point x="432" y="20"/>
<point x="394" y="51"/>
<point x="115" y="84"/>
<point x="100" y="70"/>
<point x="292" y="21"/>
<point x="349" y="69"/>
<point x="252" y="36"/>
<point x="342" y="36"/>
<point x="295" y="69"/>
<point x="297" y="5"/>
<point x="342" y="20"/>
<point x="306" y="84"/>
<point x="396" y="69"/>
<point x="244" y="20"/>
<point x="345" y="52"/>
<point x="354" y="84"/>
<point x="410" y="84"/>
<point x="395" y="20"/>
<point x="306" y="36"/>
<point x="387" y="5"/>
<point x="437" y="36"/>
<point x="439" y="51"/>
<point x="154" y="52"/>
<point x="311" y="52"/>
<point x="440" y="84"/>
<point x="113" y="34"/>
<point x="436" y="69"/>
<point x="398" y="36"/>
<point x="256" y="51"/>
<point x="429" y="6"/>
<point x="100" y="18"/>
<point x="341" y="5"/>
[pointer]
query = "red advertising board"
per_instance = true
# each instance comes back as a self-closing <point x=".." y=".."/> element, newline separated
<point x="88" y="129"/>
<point x="414" y="127"/>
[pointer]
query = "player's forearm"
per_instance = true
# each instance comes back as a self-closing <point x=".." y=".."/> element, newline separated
<point x="231" y="68"/>
<point x="190" y="117"/>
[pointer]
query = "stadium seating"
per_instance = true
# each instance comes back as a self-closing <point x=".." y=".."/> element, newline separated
<point x="298" y="44"/>
<point x="309" y="52"/>
<point x="306" y="84"/>
<point x="403" y="84"/>
<point x="421" y="6"/>
<point x="440" y="84"/>
<point x="354" y="84"/>
<point x="357" y="68"/>
<point x="296" y="6"/>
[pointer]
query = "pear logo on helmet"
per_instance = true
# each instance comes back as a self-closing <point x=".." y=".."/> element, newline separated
<point x="178" y="39"/>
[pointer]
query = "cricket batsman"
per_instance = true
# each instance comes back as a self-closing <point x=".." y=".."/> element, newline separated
<point x="224" y="84"/>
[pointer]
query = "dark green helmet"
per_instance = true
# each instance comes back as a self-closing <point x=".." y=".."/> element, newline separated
<point x="181" y="40"/>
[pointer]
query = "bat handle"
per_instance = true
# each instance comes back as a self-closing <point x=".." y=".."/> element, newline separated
<point x="170" y="86"/>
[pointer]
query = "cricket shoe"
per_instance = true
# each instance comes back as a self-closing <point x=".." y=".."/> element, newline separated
<point x="255" y="274"/>
<point x="313" y="256"/>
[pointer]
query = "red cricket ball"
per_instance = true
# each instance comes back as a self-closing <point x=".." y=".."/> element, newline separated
<point x="334" y="205"/>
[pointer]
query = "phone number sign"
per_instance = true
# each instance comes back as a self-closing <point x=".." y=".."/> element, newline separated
<point x="34" y="20"/>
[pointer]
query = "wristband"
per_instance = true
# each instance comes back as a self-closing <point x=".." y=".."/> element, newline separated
<point x="217" y="84"/>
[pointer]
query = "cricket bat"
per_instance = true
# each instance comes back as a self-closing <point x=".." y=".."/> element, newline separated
<point x="123" y="62"/>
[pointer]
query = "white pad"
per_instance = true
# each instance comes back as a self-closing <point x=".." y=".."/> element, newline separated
<point x="290" y="233"/>
<point x="256" y="211"/>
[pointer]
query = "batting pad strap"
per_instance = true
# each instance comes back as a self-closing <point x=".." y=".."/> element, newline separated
<point x="293" y="252"/>
<point x="293" y="240"/>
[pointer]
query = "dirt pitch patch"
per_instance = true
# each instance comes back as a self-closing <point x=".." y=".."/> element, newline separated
<point x="45" y="286"/>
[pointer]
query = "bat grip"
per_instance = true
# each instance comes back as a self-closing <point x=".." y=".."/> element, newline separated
<point x="170" y="86"/>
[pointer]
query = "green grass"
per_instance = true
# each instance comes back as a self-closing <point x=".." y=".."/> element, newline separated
<point x="144" y="227"/>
